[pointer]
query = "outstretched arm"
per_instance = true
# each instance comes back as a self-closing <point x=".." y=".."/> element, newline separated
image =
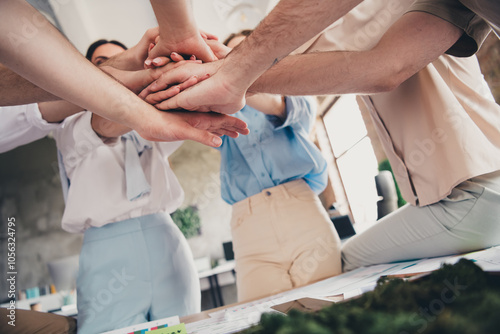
<point x="16" y="90"/>
<point x="290" y="24"/>
<point x="414" y="41"/>
<point x="287" y="26"/>
<point x="33" y="48"/>
<point x="48" y="60"/>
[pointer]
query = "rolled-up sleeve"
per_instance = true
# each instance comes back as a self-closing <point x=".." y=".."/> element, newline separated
<point x="300" y="114"/>
<point x="20" y="125"/>
<point x="474" y="27"/>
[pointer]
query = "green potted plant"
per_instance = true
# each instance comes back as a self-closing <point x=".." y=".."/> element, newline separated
<point x="188" y="221"/>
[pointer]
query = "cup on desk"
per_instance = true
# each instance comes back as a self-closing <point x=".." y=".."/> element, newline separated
<point x="36" y="307"/>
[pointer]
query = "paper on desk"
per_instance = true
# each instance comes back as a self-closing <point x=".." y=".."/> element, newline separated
<point x="361" y="279"/>
<point x="219" y="326"/>
<point x="487" y="259"/>
<point x="237" y="318"/>
<point x="426" y="265"/>
<point x="242" y="316"/>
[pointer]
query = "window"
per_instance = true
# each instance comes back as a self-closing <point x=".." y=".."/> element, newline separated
<point x="353" y="156"/>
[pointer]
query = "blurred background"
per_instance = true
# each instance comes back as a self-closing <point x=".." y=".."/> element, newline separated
<point x="30" y="188"/>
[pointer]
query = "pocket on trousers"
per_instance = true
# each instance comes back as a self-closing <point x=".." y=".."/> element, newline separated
<point x="452" y="209"/>
<point x="465" y="191"/>
<point x="304" y="194"/>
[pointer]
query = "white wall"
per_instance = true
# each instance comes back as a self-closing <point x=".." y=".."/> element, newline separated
<point x="223" y="17"/>
<point x="85" y="21"/>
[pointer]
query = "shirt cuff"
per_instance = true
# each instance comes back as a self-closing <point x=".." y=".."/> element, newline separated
<point x="299" y="113"/>
<point x="34" y="118"/>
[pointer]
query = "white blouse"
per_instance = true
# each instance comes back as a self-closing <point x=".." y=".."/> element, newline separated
<point x="97" y="193"/>
<point x="20" y="125"/>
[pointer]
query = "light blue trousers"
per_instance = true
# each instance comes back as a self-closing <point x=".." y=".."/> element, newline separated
<point x="467" y="220"/>
<point x="133" y="271"/>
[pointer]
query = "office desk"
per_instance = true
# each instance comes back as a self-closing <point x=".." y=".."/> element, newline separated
<point x="237" y="317"/>
<point x="212" y="276"/>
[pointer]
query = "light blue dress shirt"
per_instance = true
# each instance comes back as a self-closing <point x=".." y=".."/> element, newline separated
<point x="272" y="153"/>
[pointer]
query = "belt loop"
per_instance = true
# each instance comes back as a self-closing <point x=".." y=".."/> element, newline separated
<point x="248" y="205"/>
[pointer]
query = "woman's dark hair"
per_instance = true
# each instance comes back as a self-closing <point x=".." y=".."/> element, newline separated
<point x="95" y="45"/>
<point x="245" y="33"/>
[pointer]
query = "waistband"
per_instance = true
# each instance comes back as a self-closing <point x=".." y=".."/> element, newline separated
<point x="126" y="226"/>
<point x="490" y="180"/>
<point x="282" y="191"/>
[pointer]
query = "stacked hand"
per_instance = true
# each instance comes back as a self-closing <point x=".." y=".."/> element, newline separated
<point x="167" y="79"/>
<point x="195" y="86"/>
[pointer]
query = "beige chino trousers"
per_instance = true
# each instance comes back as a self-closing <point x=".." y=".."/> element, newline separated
<point x="282" y="239"/>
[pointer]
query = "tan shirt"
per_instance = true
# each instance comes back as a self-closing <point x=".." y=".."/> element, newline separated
<point x="474" y="26"/>
<point x="438" y="128"/>
<point x="489" y="10"/>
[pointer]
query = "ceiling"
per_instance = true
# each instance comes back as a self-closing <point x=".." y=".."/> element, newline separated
<point x="85" y="21"/>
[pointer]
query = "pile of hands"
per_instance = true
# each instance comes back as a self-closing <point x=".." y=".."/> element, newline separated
<point x="182" y="78"/>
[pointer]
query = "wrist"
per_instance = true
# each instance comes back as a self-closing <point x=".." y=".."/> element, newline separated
<point x="143" y="119"/>
<point x="240" y="78"/>
<point x="128" y="60"/>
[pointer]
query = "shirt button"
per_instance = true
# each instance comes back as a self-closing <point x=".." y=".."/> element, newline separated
<point x="268" y="193"/>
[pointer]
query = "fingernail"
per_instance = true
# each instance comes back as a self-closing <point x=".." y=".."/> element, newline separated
<point x="193" y="57"/>
<point x="217" y="141"/>
<point x="147" y="62"/>
<point x="156" y="61"/>
<point x="174" y="54"/>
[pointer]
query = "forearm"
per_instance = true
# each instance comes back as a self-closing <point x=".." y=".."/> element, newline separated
<point x="175" y="19"/>
<point x="268" y="104"/>
<point x="15" y="90"/>
<point x="48" y="60"/>
<point x="323" y="73"/>
<point x="106" y="128"/>
<point x="57" y="111"/>
<point x="410" y="44"/>
<point x="290" y="24"/>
